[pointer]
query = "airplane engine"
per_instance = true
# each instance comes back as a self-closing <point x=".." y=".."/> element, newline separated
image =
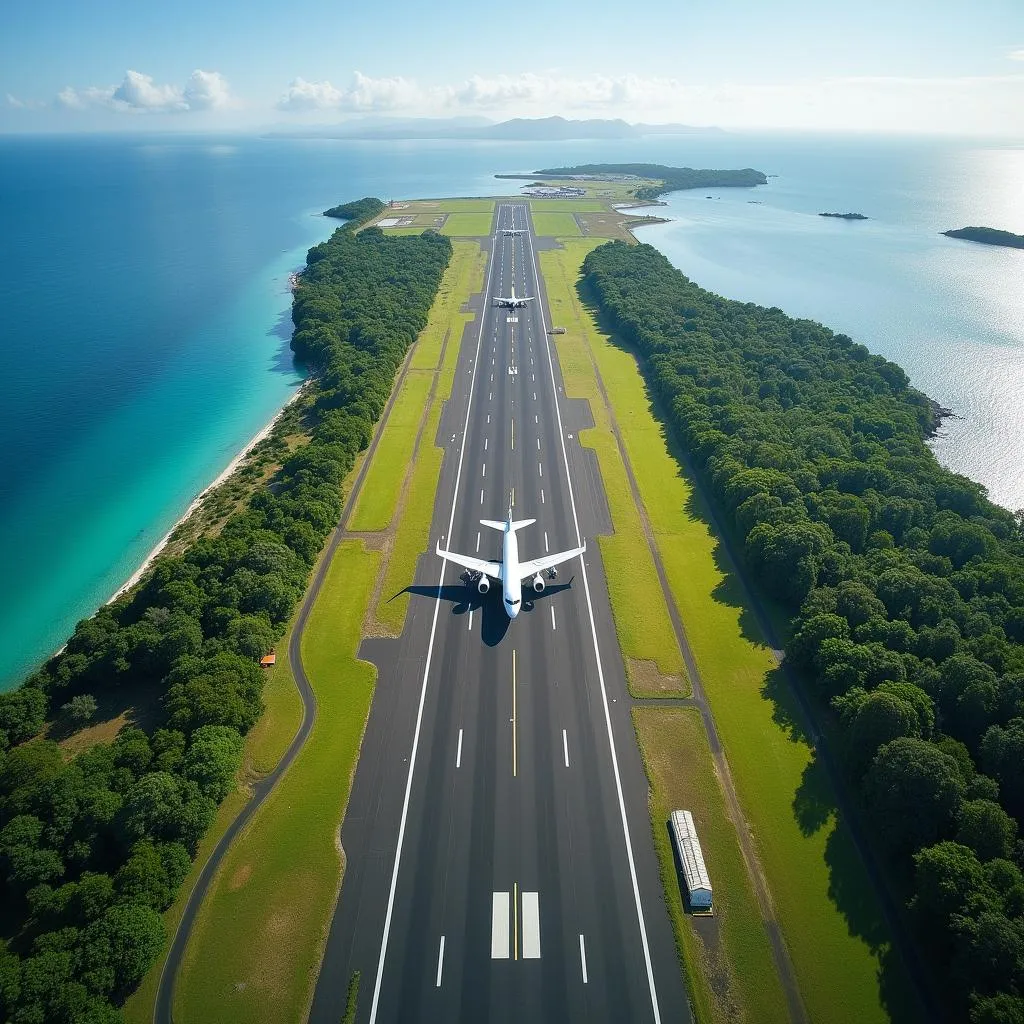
<point x="538" y="583"/>
<point x="483" y="584"/>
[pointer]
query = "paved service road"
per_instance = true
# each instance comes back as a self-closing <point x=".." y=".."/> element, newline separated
<point x="499" y="858"/>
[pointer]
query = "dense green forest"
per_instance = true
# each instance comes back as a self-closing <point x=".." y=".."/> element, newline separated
<point x="359" y="211"/>
<point x="94" y="848"/>
<point x="989" y="236"/>
<point x="904" y="582"/>
<point x="674" y="179"/>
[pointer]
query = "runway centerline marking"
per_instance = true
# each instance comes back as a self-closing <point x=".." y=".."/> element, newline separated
<point x="483" y="472"/>
<point x="538" y="444"/>
<point x="481" y="495"/>
<point x="470" y="628"/>
<point x="583" y="959"/>
<point x="545" y="542"/>
<point x="565" y="746"/>
<point x="600" y="676"/>
<point x="540" y="468"/>
<point x="515" y="757"/>
<point x="553" y="626"/>
<point x="478" y="540"/>
<point x="515" y="920"/>
<point x="458" y="753"/>
<point x="485" y="444"/>
<point x="542" y="495"/>
<point x="423" y="686"/>
<point x="513" y="422"/>
<point x="440" y="963"/>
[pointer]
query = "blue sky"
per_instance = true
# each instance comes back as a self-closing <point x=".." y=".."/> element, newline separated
<point x="925" y="65"/>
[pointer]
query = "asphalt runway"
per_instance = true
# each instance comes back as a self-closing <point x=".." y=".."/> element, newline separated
<point x="499" y="857"/>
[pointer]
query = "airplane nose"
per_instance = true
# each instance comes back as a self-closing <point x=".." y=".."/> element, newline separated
<point x="513" y="612"/>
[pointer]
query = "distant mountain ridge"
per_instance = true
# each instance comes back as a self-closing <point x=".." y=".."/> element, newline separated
<point x="519" y="129"/>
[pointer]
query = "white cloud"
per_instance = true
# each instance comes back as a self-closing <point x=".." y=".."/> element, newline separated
<point x="207" y="90"/>
<point x="1016" y="55"/>
<point x="560" y="92"/>
<point x="138" y="93"/>
<point x="363" y="95"/>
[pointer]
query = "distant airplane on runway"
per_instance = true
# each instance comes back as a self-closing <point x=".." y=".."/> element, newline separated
<point x="510" y="571"/>
<point x="513" y="301"/>
<point x="513" y="231"/>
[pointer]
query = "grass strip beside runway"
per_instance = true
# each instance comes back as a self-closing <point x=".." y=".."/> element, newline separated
<point x="727" y="957"/>
<point x="809" y="861"/>
<point x="259" y="936"/>
<point x="464" y="278"/>
<point x="378" y="497"/>
<point x="264" y="747"/>
<point x="468" y="224"/>
<point x="641" y="619"/>
<point x="557" y="225"/>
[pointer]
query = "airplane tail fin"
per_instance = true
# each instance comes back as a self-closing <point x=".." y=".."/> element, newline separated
<point x="493" y="524"/>
<point x="520" y="523"/>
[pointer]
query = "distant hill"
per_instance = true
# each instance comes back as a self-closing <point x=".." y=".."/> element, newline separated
<point x="519" y="129"/>
<point x="673" y="179"/>
<point x="988" y="236"/>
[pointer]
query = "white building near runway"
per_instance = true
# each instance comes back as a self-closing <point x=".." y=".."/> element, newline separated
<point x="695" y="873"/>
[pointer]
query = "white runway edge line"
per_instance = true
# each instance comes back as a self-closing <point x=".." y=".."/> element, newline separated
<point x="426" y="673"/>
<point x="440" y="963"/>
<point x="600" y="671"/>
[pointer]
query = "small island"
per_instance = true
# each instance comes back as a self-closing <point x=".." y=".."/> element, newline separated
<point x="988" y="236"/>
<point x="845" y="216"/>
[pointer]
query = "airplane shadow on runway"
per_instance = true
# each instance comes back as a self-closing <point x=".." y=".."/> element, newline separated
<point x="495" y="622"/>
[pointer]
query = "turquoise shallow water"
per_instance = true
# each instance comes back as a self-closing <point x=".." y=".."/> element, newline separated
<point x="143" y="284"/>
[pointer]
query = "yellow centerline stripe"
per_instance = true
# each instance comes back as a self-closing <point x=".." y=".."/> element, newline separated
<point x="515" y="760"/>
<point x="515" y="920"/>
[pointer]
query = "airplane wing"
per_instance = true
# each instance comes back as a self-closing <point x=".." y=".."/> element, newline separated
<point x="536" y="565"/>
<point x="492" y="569"/>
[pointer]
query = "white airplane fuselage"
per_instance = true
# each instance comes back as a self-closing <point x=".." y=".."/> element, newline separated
<point x="511" y="587"/>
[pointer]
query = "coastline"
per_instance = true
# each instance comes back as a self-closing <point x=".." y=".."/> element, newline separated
<point x="228" y="470"/>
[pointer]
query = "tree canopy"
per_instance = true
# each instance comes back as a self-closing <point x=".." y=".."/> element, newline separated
<point x="94" y="849"/>
<point x="904" y="583"/>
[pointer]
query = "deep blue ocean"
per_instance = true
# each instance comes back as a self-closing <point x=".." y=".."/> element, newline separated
<point x="144" y="307"/>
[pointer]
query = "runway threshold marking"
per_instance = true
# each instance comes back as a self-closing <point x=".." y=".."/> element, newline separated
<point x="656" y="1012"/>
<point x="565" y="746"/>
<point x="499" y="926"/>
<point x="440" y="963"/>
<point x="583" y="959"/>
<point x="531" y="926"/>
<point x="423" y="685"/>
<point x="458" y="753"/>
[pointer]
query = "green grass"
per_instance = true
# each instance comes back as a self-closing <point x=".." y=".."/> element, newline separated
<point x="264" y="747"/>
<point x="465" y="276"/>
<point x="836" y="957"/>
<point x="259" y="936"/>
<point x="471" y="224"/>
<point x="643" y="625"/>
<point x="733" y="978"/>
<point x="378" y="497"/>
<point x="555" y="224"/>
<point x="569" y="206"/>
